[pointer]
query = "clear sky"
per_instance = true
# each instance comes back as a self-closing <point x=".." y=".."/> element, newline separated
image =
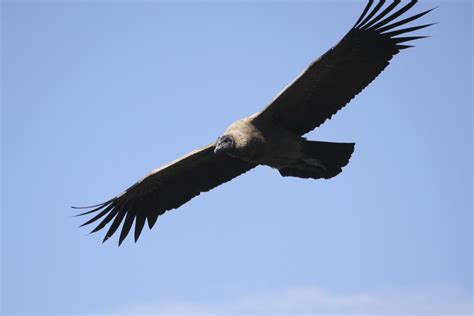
<point x="97" y="93"/>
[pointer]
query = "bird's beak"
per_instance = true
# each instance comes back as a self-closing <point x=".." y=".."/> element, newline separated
<point x="217" y="149"/>
<point x="218" y="146"/>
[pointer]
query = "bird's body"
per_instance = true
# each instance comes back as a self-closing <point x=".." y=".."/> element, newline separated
<point x="273" y="136"/>
<point x="268" y="144"/>
<point x="265" y="144"/>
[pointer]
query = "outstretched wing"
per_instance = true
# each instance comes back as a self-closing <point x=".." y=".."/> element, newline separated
<point x="165" y="188"/>
<point x="330" y="82"/>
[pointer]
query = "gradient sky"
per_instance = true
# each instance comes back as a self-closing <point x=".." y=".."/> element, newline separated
<point x="97" y="93"/>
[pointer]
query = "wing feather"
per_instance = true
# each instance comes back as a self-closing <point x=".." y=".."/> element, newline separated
<point x="105" y="221"/>
<point x="140" y="222"/>
<point x="366" y="9"/>
<point x="115" y="224"/>
<point x="330" y="82"/>
<point x="382" y="14"/>
<point x="396" y="14"/>
<point x="372" y="13"/>
<point x="165" y="188"/>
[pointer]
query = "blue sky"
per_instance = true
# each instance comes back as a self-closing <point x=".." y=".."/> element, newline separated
<point x="97" y="93"/>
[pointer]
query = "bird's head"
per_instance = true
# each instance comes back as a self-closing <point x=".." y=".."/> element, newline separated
<point x="224" y="144"/>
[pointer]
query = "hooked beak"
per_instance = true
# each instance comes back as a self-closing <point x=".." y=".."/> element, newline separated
<point x="218" y="149"/>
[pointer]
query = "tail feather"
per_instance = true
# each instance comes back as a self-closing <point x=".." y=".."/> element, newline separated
<point x="320" y="160"/>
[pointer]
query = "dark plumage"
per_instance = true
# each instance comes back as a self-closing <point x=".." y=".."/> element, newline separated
<point x="273" y="137"/>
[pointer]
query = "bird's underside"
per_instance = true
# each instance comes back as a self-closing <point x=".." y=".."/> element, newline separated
<point x="273" y="136"/>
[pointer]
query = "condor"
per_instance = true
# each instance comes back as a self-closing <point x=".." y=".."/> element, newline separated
<point x="273" y="136"/>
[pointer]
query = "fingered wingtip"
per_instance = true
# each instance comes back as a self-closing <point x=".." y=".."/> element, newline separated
<point x="400" y="47"/>
<point x="85" y="207"/>
<point x="106" y="237"/>
<point x="95" y="230"/>
<point x="82" y="225"/>
<point x="91" y="206"/>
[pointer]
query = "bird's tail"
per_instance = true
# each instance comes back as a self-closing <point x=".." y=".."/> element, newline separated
<point x="320" y="160"/>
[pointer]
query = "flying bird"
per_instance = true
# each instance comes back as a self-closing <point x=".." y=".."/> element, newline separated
<point x="274" y="136"/>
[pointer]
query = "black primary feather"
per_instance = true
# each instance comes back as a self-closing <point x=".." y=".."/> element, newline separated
<point x="331" y="81"/>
